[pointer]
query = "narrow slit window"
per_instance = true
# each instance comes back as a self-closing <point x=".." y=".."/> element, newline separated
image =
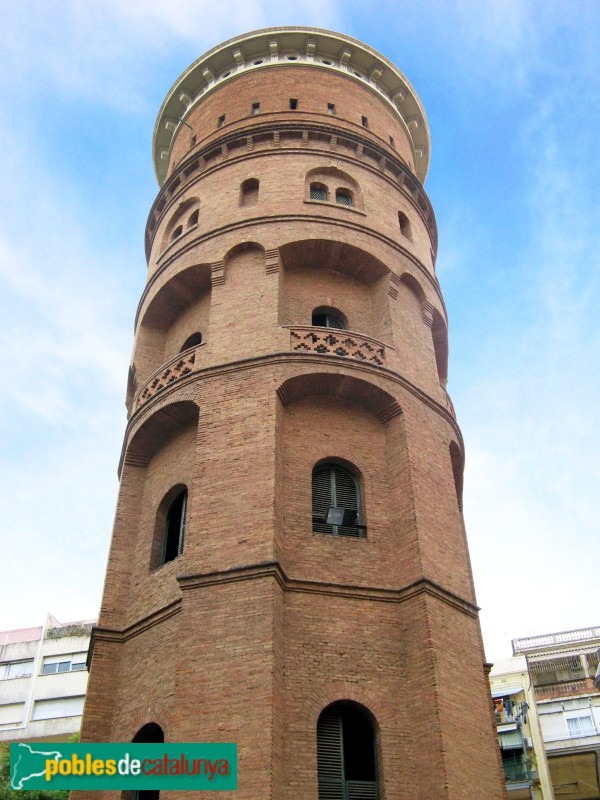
<point x="331" y="109"/>
<point x="404" y="223"/>
<point x="293" y="104"/>
<point x="249" y="192"/>
<point x="392" y="143"/>
<point x="221" y="121"/>
<point x="365" y="122"/>
<point x="174" y="529"/>
<point x="255" y="108"/>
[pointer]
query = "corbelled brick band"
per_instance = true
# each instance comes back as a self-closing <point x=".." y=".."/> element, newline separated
<point x="292" y="318"/>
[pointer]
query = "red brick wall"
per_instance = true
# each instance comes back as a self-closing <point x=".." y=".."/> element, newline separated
<point x="261" y="623"/>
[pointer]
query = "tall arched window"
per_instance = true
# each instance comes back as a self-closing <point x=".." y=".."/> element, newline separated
<point x="336" y="487"/>
<point x="329" y="318"/>
<point x="148" y="734"/>
<point x="346" y="757"/>
<point x="174" y="527"/>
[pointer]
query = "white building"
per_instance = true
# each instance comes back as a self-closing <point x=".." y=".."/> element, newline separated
<point x="43" y="680"/>
<point x="561" y="667"/>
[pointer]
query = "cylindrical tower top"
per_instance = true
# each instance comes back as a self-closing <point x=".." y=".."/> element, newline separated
<point x="273" y="47"/>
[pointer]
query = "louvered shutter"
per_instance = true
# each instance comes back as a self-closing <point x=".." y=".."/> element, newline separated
<point x="330" y="755"/>
<point x="346" y="496"/>
<point x="321" y="497"/>
<point x="333" y="485"/>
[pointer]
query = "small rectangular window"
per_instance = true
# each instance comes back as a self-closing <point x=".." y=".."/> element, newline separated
<point x="365" y="122"/>
<point x="192" y="141"/>
<point x="221" y="121"/>
<point x="331" y="109"/>
<point x="293" y="104"/>
<point x="256" y="108"/>
<point x="392" y="143"/>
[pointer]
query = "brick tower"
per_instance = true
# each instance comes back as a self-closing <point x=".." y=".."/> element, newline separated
<point x="289" y="568"/>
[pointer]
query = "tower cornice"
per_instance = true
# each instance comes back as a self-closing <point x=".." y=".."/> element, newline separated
<point x="285" y="46"/>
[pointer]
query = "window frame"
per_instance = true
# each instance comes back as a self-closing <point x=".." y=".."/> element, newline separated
<point x="336" y="472"/>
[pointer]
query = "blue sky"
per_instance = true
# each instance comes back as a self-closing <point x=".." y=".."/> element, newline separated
<point x="512" y="95"/>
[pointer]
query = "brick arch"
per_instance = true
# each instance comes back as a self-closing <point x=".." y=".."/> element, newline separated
<point x="157" y="429"/>
<point x="414" y="286"/>
<point x="334" y="255"/>
<point x="175" y="295"/>
<point x="344" y="387"/>
<point x="439" y="333"/>
<point x="178" y="217"/>
<point x="334" y="179"/>
<point x="242" y="247"/>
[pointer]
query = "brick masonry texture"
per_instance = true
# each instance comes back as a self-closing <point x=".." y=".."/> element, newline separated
<point x="261" y="623"/>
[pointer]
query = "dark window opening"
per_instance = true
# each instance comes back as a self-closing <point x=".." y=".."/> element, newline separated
<point x="193" y="220"/>
<point x="336" y="486"/>
<point x="149" y="734"/>
<point x="293" y="104"/>
<point x="331" y="109"/>
<point x="174" y="529"/>
<point x="192" y="341"/>
<point x="365" y="122"/>
<point x="221" y="121"/>
<point x="249" y="193"/>
<point x="318" y="191"/>
<point x="346" y="757"/>
<point x="343" y="197"/>
<point x="392" y="143"/>
<point x="177" y="233"/>
<point x="404" y="223"/>
<point x="192" y="141"/>
<point x="327" y="318"/>
<point x="256" y="108"/>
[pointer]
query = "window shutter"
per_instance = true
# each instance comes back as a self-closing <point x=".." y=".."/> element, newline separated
<point x="333" y="485"/>
<point x="330" y="756"/>
<point x="321" y="497"/>
<point x="346" y="496"/>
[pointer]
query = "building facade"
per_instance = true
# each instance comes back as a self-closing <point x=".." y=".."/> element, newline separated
<point x="562" y="667"/>
<point x="43" y="680"/>
<point x="524" y="761"/>
<point x="289" y="568"/>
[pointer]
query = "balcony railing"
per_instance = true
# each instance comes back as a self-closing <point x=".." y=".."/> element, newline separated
<point x="583" y="686"/>
<point x="335" y="342"/>
<point x="516" y="771"/>
<point x="173" y="370"/>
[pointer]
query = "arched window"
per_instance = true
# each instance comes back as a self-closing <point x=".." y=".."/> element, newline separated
<point x="148" y="734"/>
<point x="173" y="528"/>
<point x="346" y="757"/>
<point x="343" y="197"/>
<point x="318" y="191"/>
<point x="404" y="223"/>
<point x="334" y="487"/>
<point x="177" y="233"/>
<point x="193" y="219"/>
<point x="457" y="471"/>
<point x="192" y="341"/>
<point x="329" y="318"/>
<point x="249" y="192"/>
